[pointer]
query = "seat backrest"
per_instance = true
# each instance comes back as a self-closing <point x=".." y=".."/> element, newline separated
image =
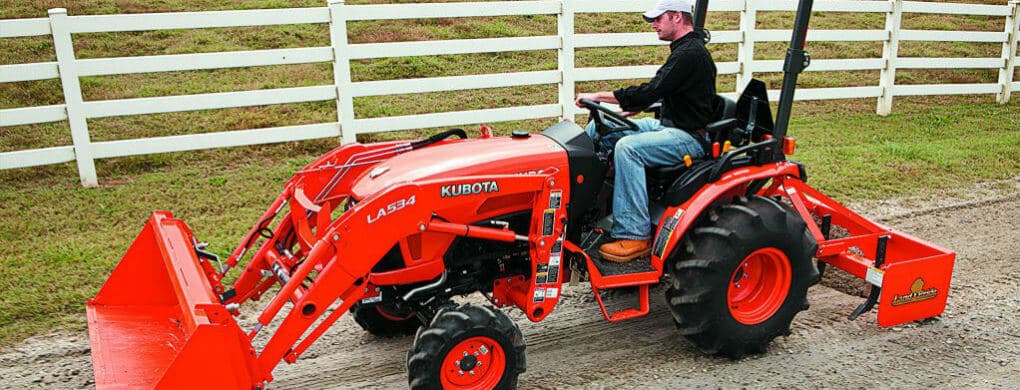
<point x="753" y="108"/>
<point x="747" y="120"/>
<point x="724" y="108"/>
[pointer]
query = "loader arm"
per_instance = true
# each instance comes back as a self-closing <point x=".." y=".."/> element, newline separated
<point x="322" y="266"/>
<point x="330" y="177"/>
<point x="343" y="256"/>
<point x="340" y="253"/>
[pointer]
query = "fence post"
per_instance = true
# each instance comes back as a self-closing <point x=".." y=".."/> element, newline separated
<point x="73" y="101"/>
<point x="745" y="50"/>
<point x="565" y="29"/>
<point x="1009" y="53"/>
<point x="889" y="53"/>
<point x="342" y="70"/>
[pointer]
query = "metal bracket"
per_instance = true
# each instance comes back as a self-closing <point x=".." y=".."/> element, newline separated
<point x="796" y="60"/>
<point x="202" y="253"/>
<point x="706" y="35"/>
<point x="876" y="291"/>
<point x="826" y="232"/>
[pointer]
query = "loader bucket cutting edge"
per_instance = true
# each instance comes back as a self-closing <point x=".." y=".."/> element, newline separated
<point x="156" y="322"/>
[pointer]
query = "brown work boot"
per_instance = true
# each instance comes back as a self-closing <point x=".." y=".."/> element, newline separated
<point x="622" y="251"/>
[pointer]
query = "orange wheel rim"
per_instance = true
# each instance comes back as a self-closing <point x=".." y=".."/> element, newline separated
<point x="393" y="316"/>
<point x="475" y="363"/>
<point x="759" y="286"/>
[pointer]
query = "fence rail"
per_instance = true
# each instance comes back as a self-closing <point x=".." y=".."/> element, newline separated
<point x="336" y="14"/>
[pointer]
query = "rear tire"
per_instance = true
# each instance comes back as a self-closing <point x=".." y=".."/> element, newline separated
<point x="385" y="320"/>
<point x="467" y="347"/>
<point x="740" y="277"/>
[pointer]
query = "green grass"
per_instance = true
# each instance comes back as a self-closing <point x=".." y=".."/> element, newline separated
<point x="863" y="156"/>
<point x="58" y="241"/>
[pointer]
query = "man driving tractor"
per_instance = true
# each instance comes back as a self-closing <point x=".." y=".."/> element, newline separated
<point x="686" y="86"/>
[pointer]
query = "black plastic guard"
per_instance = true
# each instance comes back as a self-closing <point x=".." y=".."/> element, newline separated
<point x="586" y="170"/>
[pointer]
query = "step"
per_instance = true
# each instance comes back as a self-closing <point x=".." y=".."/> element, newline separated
<point x="610" y="274"/>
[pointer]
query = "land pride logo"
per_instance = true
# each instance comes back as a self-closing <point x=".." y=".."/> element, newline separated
<point x="917" y="294"/>
<point x="469" y="189"/>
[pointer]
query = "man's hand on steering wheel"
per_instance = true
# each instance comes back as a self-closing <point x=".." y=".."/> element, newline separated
<point x="606" y="120"/>
<point x="595" y="97"/>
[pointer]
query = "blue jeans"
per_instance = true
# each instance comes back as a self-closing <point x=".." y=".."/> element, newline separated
<point x="652" y="145"/>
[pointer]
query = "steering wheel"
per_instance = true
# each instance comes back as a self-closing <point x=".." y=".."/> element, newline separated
<point x="607" y="121"/>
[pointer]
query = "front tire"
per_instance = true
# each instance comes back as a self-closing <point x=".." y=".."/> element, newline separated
<point x="741" y="276"/>
<point x="467" y="347"/>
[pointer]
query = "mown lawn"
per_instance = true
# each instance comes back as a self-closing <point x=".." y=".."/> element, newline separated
<point x="58" y="241"/>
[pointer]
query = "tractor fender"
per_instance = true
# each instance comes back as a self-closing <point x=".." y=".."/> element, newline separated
<point x="676" y="220"/>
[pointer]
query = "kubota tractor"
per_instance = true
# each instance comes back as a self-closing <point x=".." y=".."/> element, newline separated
<point x="392" y="232"/>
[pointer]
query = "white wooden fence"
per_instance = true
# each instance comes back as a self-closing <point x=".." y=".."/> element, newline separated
<point x="77" y="112"/>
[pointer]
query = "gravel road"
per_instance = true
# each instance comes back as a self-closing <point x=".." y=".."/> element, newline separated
<point x="975" y="344"/>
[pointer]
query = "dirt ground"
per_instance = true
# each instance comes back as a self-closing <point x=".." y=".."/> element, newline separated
<point x="975" y="344"/>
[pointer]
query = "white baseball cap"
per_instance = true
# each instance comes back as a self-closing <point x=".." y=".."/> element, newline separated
<point x="664" y="6"/>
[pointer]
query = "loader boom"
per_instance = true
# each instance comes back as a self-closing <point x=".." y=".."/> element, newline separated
<point x="319" y="263"/>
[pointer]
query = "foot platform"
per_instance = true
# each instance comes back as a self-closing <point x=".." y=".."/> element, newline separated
<point x="607" y="275"/>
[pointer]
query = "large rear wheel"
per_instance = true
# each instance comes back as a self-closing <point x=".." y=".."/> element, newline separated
<point x="741" y="276"/>
<point x="467" y="347"/>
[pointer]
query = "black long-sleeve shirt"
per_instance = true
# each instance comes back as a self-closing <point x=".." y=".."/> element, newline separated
<point x="686" y="85"/>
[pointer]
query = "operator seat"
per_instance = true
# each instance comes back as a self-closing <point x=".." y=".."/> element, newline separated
<point x="660" y="178"/>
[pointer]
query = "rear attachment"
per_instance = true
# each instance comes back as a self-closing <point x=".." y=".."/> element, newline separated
<point x="910" y="277"/>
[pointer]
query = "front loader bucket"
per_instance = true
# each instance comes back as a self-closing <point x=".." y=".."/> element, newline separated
<point x="156" y="322"/>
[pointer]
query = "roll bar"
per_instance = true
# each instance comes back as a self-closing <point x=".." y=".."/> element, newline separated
<point x="796" y="61"/>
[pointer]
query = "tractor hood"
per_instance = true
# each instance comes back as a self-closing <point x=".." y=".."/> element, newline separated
<point x="471" y="157"/>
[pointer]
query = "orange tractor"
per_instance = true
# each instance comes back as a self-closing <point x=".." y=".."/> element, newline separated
<point x="392" y="232"/>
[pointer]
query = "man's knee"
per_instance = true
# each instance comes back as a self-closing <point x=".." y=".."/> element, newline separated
<point x="627" y="146"/>
<point x="590" y="130"/>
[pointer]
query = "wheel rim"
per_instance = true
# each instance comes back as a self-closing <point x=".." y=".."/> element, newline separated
<point x="759" y="286"/>
<point x="394" y="316"/>
<point x="475" y="363"/>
